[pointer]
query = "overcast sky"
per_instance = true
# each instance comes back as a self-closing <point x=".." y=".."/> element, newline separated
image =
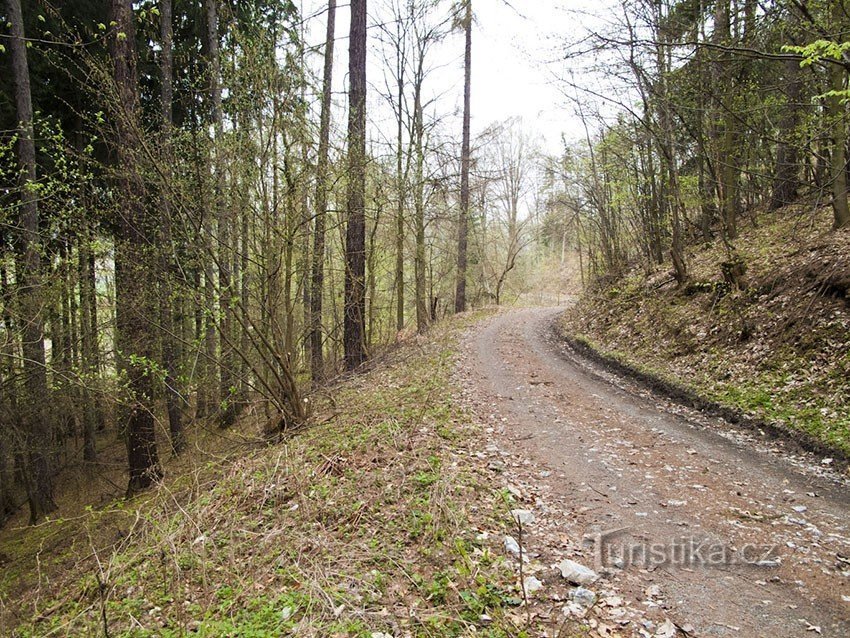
<point x="514" y="47"/>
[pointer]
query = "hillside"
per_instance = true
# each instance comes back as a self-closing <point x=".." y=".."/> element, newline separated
<point x="775" y="347"/>
<point x="324" y="533"/>
<point x="383" y="518"/>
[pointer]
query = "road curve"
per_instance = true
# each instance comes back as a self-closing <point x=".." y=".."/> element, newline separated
<point x="739" y="540"/>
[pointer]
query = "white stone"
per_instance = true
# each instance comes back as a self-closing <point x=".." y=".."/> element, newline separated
<point x="511" y="546"/>
<point x="576" y="572"/>
<point x="523" y="517"/>
<point x="532" y="584"/>
<point x="583" y="597"/>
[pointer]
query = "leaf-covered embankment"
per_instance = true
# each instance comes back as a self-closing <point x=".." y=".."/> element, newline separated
<point x="762" y="330"/>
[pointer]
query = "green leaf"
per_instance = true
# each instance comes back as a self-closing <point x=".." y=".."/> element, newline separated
<point x="819" y="50"/>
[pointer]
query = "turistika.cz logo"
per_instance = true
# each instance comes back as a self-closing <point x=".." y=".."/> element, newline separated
<point x="624" y="547"/>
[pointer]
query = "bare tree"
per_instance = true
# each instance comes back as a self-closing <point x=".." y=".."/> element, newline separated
<point x="507" y="169"/>
<point x="318" y="263"/>
<point x="396" y="32"/>
<point x="426" y="33"/>
<point x="463" y="218"/>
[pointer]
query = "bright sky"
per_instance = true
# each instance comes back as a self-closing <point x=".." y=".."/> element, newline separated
<point x="512" y="44"/>
<point x="510" y="77"/>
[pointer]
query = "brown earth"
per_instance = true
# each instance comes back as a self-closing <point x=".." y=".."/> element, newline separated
<point x="740" y="536"/>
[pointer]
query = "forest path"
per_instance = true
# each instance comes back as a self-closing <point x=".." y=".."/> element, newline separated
<point x="612" y="456"/>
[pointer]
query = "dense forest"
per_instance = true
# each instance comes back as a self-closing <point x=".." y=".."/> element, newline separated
<point x="194" y="222"/>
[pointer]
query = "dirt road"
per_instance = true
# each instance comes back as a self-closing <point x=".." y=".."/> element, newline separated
<point x="685" y="516"/>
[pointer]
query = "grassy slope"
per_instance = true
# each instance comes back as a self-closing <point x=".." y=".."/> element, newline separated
<point x="366" y="523"/>
<point x="779" y="350"/>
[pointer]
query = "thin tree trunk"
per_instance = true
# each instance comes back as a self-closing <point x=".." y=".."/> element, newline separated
<point x="422" y="315"/>
<point x="354" y="331"/>
<point x="74" y="319"/>
<point x="7" y="498"/>
<point x="371" y="270"/>
<point x="306" y="225"/>
<point x="290" y="230"/>
<point x="401" y="180"/>
<point x="63" y="393"/>
<point x="463" y="222"/>
<point x="173" y="396"/>
<point x="838" y="155"/>
<point x="727" y="138"/>
<point x="317" y="361"/>
<point x="88" y="346"/>
<point x="9" y="421"/>
<point x="673" y="196"/>
<point x="94" y="329"/>
<point x="135" y="302"/>
<point x="244" y="292"/>
<point x="207" y="361"/>
<point x="223" y="247"/>
<point x="36" y="420"/>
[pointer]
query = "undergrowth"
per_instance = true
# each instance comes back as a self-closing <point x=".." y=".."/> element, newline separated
<point x="365" y="524"/>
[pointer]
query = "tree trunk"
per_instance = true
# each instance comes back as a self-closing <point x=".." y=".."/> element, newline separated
<point x="354" y="332"/>
<point x="838" y="177"/>
<point x="36" y="418"/>
<point x="167" y="302"/>
<point x="317" y="362"/>
<point x="401" y="190"/>
<point x="704" y="181"/>
<point x="135" y="303"/>
<point x="87" y="347"/>
<point x="786" y="180"/>
<point x="63" y="392"/>
<point x="372" y="253"/>
<point x="673" y="195"/>
<point x="422" y="315"/>
<point x="463" y="221"/>
<point x="208" y="399"/>
<point x="7" y="497"/>
<point x="207" y="358"/>
<point x="724" y="133"/>
<point x="222" y="247"/>
<point x="245" y="342"/>
<point x="9" y="422"/>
